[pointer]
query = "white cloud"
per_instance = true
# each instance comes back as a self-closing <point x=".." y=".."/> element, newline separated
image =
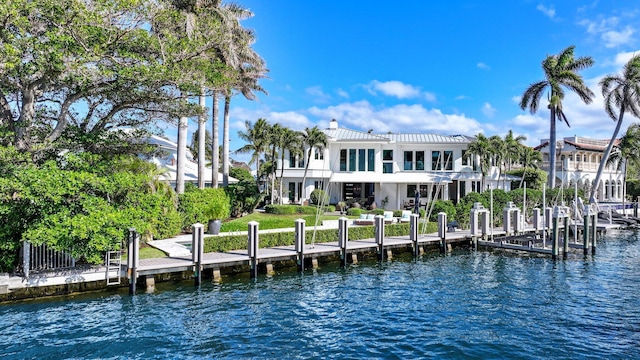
<point x="398" y="89"/>
<point x="550" y="12"/>
<point x="609" y="31"/>
<point x="398" y="119"/>
<point x="488" y="110"/>
<point x="483" y="66"/>
<point x="616" y="38"/>
<point x="461" y="97"/>
<point x="342" y="93"/>
<point x="317" y="94"/>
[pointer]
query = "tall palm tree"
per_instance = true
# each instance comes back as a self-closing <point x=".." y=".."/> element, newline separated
<point x="311" y="138"/>
<point x="561" y="71"/>
<point x="276" y="132"/>
<point x="481" y="148"/>
<point x="513" y="146"/>
<point x="621" y="91"/>
<point x="289" y="141"/>
<point x="256" y="136"/>
<point x="498" y="151"/>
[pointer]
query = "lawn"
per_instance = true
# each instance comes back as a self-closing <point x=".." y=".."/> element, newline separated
<point x="273" y="221"/>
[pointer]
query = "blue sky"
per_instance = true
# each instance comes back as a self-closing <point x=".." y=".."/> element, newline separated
<point x="444" y="67"/>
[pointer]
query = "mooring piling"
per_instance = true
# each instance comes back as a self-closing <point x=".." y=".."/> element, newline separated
<point x="343" y="239"/>
<point x="252" y="247"/>
<point x="379" y="225"/>
<point x="133" y="259"/>
<point x="300" y="240"/>
<point x="413" y="233"/>
<point x="197" y="251"/>
<point x="442" y="231"/>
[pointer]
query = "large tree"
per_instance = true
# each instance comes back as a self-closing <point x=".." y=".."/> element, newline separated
<point x="312" y="138"/>
<point x="621" y="94"/>
<point x="560" y="71"/>
<point x="481" y="148"/>
<point x="256" y="137"/>
<point x="90" y="66"/>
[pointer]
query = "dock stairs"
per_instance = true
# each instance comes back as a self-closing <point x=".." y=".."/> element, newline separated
<point x="113" y="261"/>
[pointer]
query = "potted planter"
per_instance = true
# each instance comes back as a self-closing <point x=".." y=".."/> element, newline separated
<point x="218" y="208"/>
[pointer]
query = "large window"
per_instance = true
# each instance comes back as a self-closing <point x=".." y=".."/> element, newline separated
<point x="419" y="160"/>
<point x="408" y="160"/>
<point x="371" y="158"/>
<point x="318" y="154"/>
<point x="423" y="191"/>
<point x="352" y="159"/>
<point x="296" y="160"/>
<point x="343" y="160"/>
<point x="387" y="161"/>
<point x="436" y="163"/>
<point x="448" y="160"/>
<point x="465" y="158"/>
<point x="361" y="160"/>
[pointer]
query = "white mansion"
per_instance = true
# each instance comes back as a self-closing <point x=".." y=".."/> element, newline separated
<point x="388" y="168"/>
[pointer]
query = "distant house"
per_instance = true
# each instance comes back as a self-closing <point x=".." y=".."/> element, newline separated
<point x="577" y="162"/>
<point x="168" y="160"/>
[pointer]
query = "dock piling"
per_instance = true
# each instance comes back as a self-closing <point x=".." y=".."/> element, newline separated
<point x="442" y="231"/>
<point x="197" y="249"/>
<point x="133" y="259"/>
<point x="300" y="241"/>
<point x="379" y="222"/>
<point x="565" y="245"/>
<point x="253" y="248"/>
<point x="343" y="239"/>
<point x="413" y="233"/>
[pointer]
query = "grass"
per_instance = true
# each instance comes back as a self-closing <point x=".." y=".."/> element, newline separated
<point x="273" y="221"/>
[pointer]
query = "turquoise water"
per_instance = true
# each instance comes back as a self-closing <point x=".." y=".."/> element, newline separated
<point x="463" y="305"/>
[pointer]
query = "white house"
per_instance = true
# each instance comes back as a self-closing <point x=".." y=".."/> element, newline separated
<point x="387" y="168"/>
<point x="168" y="161"/>
<point x="577" y="161"/>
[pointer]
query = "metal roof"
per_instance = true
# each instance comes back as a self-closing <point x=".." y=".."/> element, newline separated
<point x="342" y="134"/>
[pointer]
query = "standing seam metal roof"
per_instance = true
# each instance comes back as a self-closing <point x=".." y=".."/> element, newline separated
<point x="342" y="134"/>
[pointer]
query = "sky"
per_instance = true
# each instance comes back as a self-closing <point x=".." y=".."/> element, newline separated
<point x="441" y="67"/>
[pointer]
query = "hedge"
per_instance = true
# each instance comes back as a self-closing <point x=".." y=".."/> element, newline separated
<point x="237" y="242"/>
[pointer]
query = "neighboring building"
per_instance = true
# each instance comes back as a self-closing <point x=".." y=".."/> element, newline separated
<point x="387" y="168"/>
<point x="168" y="161"/>
<point x="577" y="161"/>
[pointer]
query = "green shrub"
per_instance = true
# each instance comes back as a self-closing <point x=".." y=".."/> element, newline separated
<point x="354" y="211"/>
<point x="281" y="209"/>
<point x="445" y="206"/>
<point x="378" y="211"/>
<point x="319" y="196"/>
<point x="201" y="205"/>
<point x="397" y="213"/>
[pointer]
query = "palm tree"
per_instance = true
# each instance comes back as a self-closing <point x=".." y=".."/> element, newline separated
<point x="627" y="152"/>
<point x="498" y="151"/>
<point x="276" y="132"/>
<point x="528" y="158"/>
<point x="289" y="141"/>
<point x="311" y="138"/>
<point x="513" y="145"/>
<point x="481" y="148"/>
<point x="622" y="92"/>
<point x="257" y="137"/>
<point x="560" y="72"/>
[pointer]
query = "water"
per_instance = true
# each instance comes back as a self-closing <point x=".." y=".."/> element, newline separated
<point x="463" y="305"/>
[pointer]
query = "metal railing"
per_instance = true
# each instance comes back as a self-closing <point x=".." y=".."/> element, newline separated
<point x="43" y="257"/>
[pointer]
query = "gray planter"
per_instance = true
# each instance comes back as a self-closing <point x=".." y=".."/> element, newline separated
<point x="213" y="227"/>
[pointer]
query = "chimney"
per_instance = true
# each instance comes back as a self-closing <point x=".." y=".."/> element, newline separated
<point x="333" y="124"/>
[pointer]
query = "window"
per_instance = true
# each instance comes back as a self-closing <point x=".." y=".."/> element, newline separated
<point x="419" y="160"/>
<point x="371" y="155"/>
<point x="448" y="160"/>
<point x="465" y="158"/>
<point x="292" y="160"/>
<point x="352" y="159"/>
<point x="410" y="190"/>
<point x="318" y="184"/>
<point x="301" y="160"/>
<point x="435" y="161"/>
<point x="387" y="168"/>
<point x="408" y="160"/>
<point x="387" y="165"/>
<point x="423" y="191"/>
<point x="343" y="160"/>
<point x="318" y="154"/>
<point x="387" y="155"/>
<point x="361" y="160"/>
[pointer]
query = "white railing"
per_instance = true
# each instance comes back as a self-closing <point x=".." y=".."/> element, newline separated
<point x="42" y="257"/>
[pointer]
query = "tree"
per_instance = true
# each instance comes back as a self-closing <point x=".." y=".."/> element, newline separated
<point x="528" y="158"/>
<point x="481" y="148"/>
<point x="194" y="147"/>
<point x="93" y="66"/>
<point x="276" y="132"/>
<point x="513" y="147"/>
<point x="257" y="137"/>
<point x="311" y="138"/>
<point x="560" y="72"/>
<point x="627" y="149"/>
<point x="621" y="92"/>
<point x="498" y="150"/>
